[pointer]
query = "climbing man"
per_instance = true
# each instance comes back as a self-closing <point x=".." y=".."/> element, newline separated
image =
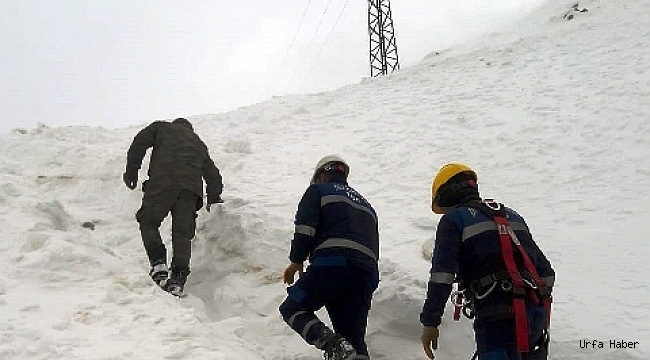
<point x="179" y="163"/>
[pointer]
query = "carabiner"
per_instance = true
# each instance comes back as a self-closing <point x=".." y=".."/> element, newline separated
<point x="481" y="297"/>
<point x="492" y="205"/>
<point x="506" y="285"/>
<point x="454" y="297"/>
<point x="531" y="284"/>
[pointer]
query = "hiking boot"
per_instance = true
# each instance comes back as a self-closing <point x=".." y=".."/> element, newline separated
<point x="175" y="288"/>
<point x="336" y="347"/>
<point x="159" y="274"/>
<point x="176" y="282"/>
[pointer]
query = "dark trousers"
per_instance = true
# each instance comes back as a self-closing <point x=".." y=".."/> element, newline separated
<point x="509" y="352"/>
<point x="345" y="292"/>
<point x="496" y="340"/>
<point x="182" y="204"/>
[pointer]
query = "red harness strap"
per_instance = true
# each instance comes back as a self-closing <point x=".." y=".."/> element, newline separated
<point x="540" y="284"/>
<point x="518" y="285"/>
<point x="507" y="237"/>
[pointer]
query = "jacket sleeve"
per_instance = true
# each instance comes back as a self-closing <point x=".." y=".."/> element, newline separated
<point x="545" y="270"/>
<point x="213" y="180"/>
<point x="542" y="265"/>
<point x="444" y="267"/>
<point x="306" y="223"/>
<point x="141" y="142"/>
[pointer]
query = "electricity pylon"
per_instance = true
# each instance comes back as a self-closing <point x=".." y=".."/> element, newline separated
<point x="383" y="47"/>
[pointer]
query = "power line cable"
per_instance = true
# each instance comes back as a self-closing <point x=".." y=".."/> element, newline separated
<point x="295" y="36"/>
<point x="311" y="41"/>
<point x="302" y="19"/>
<point x="326" y="40"/>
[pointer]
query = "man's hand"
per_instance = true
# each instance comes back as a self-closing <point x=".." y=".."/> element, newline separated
<point x="130" y="177"/>
<point x="218" y="200"/>
<point x="429" y="340"/>
<point x="290" y="272"/>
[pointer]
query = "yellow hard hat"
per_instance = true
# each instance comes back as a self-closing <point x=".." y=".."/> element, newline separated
<point x="444" y="174"/>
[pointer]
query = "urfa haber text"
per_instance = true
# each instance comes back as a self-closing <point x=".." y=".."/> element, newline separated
<point x="611" y="344"/>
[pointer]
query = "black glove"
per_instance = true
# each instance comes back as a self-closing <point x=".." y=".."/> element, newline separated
<point x="130" y="177"/>
<point x="217" y="200"/>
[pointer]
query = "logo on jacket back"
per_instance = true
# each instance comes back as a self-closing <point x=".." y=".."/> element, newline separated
<point x="351" y="193"/>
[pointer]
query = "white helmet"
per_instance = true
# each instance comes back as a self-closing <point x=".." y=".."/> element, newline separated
<point x="326" y="164"/>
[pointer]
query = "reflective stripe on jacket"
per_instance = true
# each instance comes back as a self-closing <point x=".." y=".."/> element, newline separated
<point x="335" y="225"/>
<point x="467" y="247"/>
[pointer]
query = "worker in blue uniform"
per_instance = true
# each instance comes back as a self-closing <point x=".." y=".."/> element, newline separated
<point x="505" y="279"/>
<point x="336" y="230"/>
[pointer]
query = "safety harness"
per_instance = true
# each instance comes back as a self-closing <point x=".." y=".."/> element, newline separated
<point x="521" y="287"/>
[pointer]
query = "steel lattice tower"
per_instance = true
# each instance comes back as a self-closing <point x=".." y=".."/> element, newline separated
<point x="383" y="47"/>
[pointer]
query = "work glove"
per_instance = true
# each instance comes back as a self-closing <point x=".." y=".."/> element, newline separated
<point x="130" y="177"/>
<point x="218" y="200"/>
<point x="290" y="272"/>
<point x="430" y="340"/>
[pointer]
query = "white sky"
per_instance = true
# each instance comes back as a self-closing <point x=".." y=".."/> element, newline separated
<point x="115" y="63"/>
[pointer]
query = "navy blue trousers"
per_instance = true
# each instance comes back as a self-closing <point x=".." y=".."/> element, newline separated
<point x="346" y="293"/>
<point x="496" y="340"/>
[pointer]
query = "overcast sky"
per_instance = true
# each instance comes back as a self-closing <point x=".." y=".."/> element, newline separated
<point x="116" y="63"/>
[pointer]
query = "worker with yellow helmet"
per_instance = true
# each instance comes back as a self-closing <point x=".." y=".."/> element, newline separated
<point x="502" y="275"/>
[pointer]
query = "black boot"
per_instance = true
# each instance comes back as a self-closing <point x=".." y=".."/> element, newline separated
<point x="176" y="283"/>
<point x="335" y="347"/>
<point x="159" y="273"/>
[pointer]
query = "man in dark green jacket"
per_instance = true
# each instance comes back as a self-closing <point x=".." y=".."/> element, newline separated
<point x="179" y="163"/>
